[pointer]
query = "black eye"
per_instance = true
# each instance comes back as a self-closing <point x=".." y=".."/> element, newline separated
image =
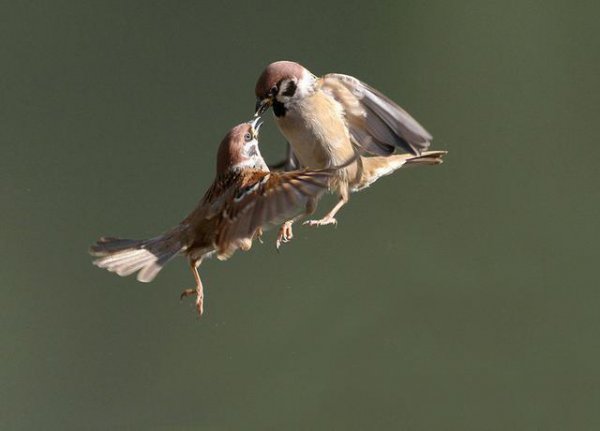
<point x="247" y="137"/>
<point x="273" y="90"/>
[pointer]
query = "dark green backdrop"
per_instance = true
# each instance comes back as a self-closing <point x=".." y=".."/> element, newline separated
<point x="461" y="297"/>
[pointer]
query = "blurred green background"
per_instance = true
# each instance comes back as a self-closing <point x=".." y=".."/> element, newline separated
<point x="461" y="297"/>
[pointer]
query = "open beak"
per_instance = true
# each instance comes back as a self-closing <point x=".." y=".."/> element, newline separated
<point x="255" y="123"/>
<point x="262" y="106"/>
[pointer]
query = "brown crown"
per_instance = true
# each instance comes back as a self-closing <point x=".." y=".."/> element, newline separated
<point x="230" y="149"/>
<point x="274" y="73"/>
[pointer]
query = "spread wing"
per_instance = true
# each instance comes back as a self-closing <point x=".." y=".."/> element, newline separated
<point x="269" y="198"/>
<point x="376" y="123"/>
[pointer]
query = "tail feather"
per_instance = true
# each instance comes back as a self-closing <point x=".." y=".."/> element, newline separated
<point x="127" y="256"/>
<point x="378" y="166"/>
<point x="426" y="158"/>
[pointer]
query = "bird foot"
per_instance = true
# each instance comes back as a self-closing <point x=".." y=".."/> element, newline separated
<point x="285" y="234"/>
<point x="199" y="298"/>
<point x="322" y="222"/>
<point x="259" y="234"/>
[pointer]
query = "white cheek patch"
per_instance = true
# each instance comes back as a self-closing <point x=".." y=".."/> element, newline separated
<point x="251" y="149"/>
<point x="252" y="157"/>
<point x="281" y="94"/>
<point x="305" y="84"/>
<point x="304" y="87"/>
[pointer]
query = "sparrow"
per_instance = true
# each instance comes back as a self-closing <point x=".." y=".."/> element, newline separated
<point x="243" y="199"/>
<point x="328" y="119"/>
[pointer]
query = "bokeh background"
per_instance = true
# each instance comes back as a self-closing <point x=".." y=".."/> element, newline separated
<point x="460" y="297"/>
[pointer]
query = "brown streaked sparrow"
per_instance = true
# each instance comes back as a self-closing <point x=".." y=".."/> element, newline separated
<point x="326" y="120"/>
<point x="243" y="200"/>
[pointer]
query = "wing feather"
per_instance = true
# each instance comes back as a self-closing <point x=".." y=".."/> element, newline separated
<point x="270" y="199"/>
<point x="376" y="123"/>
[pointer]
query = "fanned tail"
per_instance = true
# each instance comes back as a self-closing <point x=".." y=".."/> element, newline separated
<point x="126" y="256"/>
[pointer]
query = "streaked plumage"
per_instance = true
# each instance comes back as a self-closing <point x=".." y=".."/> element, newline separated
<point x="244" y="199"/>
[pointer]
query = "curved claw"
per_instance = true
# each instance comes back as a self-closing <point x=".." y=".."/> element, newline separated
<point x="199" y="299"/>
<point x="186" y="293"/>
<point x="285" y="234"/>
<point x="259" y="234"/>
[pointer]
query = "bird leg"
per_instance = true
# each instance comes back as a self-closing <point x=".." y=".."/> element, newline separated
<point x="259" y="234"/>
<point x="285" y="231"/>
<point x="330" y="216"/>
<point x="198" y="291"/>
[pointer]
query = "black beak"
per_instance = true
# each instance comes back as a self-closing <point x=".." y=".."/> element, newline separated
<point x="262" y="106"/>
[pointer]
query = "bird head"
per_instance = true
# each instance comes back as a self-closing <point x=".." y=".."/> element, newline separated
<point x="282" y="82"/>
<point x="239" y="149"/>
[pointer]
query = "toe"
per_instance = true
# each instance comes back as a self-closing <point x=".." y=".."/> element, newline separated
<point x="322" y="222"/>
<point x="187" y="292"/>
